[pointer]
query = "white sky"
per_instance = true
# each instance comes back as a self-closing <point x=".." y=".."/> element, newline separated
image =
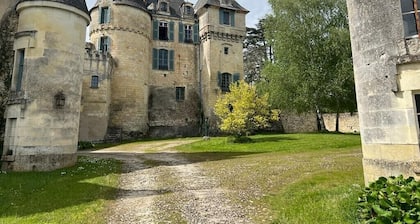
<point x="258" y="9"/>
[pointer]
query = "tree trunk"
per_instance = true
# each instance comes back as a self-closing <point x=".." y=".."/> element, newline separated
<point x="320" y="119"/>
<point x="337" y="121"/>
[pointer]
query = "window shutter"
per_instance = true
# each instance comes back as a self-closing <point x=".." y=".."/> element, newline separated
<point x="236" y="77"/>
<point x="100" y="15"/>
<point x="232" y="18"/>
<point x="171" y="31"/>
<point x="171" y="60"/>
<point x="220" y="16"/>
<point x="219" y="79"/>
<point x="195" y="30"/>
<point x="155" y="58"/>
<point x="181" y="32"/>
<point x="109" y="15"/>
<point x="108" y="44"/>
<point x="155" y="29"/>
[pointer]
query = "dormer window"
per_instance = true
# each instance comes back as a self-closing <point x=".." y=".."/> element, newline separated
<point x="188" y="10"/>
<point x="411" y="17"/>
<point x="163" y="6"/>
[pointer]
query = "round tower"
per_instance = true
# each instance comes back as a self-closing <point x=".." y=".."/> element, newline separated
<point x="44" y="103"/>
<point x="123" y="29"/>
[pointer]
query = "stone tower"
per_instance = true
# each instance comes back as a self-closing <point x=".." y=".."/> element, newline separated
<point x="386" y="55"/>
<point x="123" y="29"/>
<point x="44" y="103"/>
<point x="222" y="31"/>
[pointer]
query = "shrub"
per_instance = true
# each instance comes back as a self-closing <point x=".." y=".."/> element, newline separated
<point x="392" y="200"/>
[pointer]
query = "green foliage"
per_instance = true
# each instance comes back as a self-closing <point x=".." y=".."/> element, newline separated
<point x="85" y="145"/>
<point x="76" y="194"/>
<point x="313" y="64"/>
<point x="242" y="110"/>
<point x="392" y="200"/>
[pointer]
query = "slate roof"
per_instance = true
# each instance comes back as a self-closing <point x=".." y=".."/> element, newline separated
<point x="235" y="6"/>
<point x="79" y="4"/>
<point x="134" y="3"/>
<point x="174" y="6"/>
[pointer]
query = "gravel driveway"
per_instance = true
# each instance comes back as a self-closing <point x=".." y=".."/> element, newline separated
<point x="159" y="185"/>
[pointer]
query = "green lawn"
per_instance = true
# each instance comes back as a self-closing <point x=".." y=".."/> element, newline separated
<point x="300" y="178"/>
<point x="285" y="178"/>
<point x="72" y="195"/>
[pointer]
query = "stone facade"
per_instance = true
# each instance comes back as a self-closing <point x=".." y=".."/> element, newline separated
<point x="42" y="116"/>
<point x="168" y="57"/>
<point x="386" y="65"/>
<point x="154" y="68"/>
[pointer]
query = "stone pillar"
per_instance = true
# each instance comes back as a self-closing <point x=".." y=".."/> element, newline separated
<point x="387" y="112"/>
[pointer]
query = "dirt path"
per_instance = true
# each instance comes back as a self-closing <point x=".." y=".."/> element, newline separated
<point x="159" y="185"/>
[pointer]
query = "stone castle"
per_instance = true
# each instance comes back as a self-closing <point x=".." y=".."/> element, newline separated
<point x="153" y="68"/>
<point x="386" y="54"/>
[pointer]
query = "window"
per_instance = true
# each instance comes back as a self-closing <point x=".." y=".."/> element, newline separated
<point x="104" y="44"/>
<point x="180" y="93"/>
<point x="163" y="30"/>
<point x="163" y="59"/>
<point x="94" y="82"/>
<point x="227" y="17"/>
<point x="188" y="10"/>
<point x="104" y="17"/>
<point x="226" y="50"/>
<point x="417" y="98"/>
<point x="225" y="79"/>
<point x="163" y="7"/>
<point x="410" y="15"/>
<point x="20" y="65"/>
<point x="188" y="34"/>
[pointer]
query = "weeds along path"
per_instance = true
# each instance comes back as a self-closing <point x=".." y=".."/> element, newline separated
<point x="162" y="186"/>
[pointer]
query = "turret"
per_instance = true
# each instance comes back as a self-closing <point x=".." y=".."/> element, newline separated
<point x="42" y="117"/>
<point x="122" y="29"/>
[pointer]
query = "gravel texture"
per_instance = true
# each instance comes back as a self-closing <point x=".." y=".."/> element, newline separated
<point x="162" y="186"/>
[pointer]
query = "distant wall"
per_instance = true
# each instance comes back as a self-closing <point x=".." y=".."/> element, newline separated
<point x="348" y="122"/>
<point x="294" y="123"/>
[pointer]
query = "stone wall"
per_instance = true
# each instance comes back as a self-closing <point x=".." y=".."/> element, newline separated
<point x="94" y="112"/>
<point x="297" y="123"/>
<point x="348" y="122"/>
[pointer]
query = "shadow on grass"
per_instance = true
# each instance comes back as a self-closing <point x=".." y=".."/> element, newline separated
<point x="273" y="139"/>
<point x="27" y="194"/>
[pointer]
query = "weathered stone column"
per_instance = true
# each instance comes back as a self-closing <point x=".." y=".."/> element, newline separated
<point x="388" y="119"/>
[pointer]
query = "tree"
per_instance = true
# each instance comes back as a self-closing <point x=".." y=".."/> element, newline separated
<point x="257" y="51"/>
<point x="241" y="110"/>
<point x="313" y="66"/>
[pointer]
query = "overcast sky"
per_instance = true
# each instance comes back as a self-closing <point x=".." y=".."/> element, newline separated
<point x="257" y="8"/>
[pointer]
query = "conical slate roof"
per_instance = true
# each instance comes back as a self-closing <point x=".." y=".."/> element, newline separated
<point x="235" y="6"/>
<point x="140" y="4"/>
<point x="79" y="4"/>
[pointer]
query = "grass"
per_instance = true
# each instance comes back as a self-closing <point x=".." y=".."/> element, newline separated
<point x="72" y="195"/>
<point x="285" y="178"/>
<point x="292" y="178"/>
